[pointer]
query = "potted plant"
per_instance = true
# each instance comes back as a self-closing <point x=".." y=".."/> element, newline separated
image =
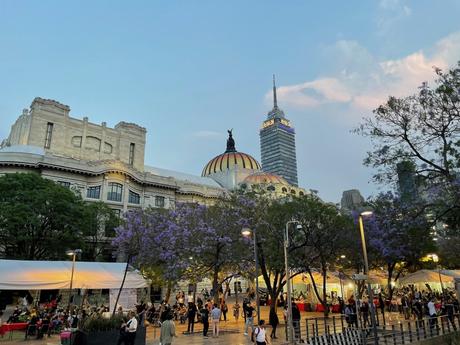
<point x="98" y="330"/>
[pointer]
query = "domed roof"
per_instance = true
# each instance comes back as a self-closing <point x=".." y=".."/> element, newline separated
<point x="230" y="159"/>
<point x="265" y="178"/>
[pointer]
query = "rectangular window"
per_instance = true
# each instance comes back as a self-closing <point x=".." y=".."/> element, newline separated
<point x="93" y="192"/>
<point x="160" y="201"/>
<point x="49" y="133"/>
<point x="115" y="191"/>
<point x="64" y="184"/>
<point x="134" y="198"/>
<point x="132" y="146"/>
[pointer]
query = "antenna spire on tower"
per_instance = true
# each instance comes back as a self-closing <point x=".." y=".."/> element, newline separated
<point x="275" y="103"/>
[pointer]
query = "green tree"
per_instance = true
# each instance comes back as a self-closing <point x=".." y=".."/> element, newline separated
<point x="98" y="224"/>
<point x="314" y="247"/>
<point x="39" y="219"/>
<point x="420" y="134"/>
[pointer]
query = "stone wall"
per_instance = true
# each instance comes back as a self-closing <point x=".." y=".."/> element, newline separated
<point x="75" y="138"/>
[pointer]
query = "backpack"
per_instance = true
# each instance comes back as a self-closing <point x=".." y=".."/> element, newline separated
<point x="254" y="334"/>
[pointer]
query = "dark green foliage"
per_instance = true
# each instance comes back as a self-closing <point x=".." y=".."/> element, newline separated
<point x="39" y="219"/>
<point x="100" y="324"/>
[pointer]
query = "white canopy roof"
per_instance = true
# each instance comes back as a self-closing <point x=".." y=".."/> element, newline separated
<point x="425" y="276"/>
<point x="48" y="275"/>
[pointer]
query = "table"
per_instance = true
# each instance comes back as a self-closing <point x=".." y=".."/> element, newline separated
<point x="9" y="327"/>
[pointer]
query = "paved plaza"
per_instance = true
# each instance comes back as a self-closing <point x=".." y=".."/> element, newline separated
<point x="231" y="332"/>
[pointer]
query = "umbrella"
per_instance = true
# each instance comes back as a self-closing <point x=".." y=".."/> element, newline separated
<point x="425" y="276"/>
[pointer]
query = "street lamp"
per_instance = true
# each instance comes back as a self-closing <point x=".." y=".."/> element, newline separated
<point x="288" y="280"/>
<point x="342" y="257"/>
<point x="370" y="293"/>
<point x="435" y="259"/>
<point x="73" y="253"/>
<point x="246" y="232"/>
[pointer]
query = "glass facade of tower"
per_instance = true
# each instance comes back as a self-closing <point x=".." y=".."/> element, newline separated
<point x="277" y="147"/>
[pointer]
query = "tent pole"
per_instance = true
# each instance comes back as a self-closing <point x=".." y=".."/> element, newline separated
<point x="121" y="287"/>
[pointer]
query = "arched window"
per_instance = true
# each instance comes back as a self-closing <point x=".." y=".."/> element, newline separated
<point x="284" y="190"/>
<point x="271" y="188"/>
<point x="292" y="191"/>
<point x="115" y="191"/>
<point x="134" y="198"/>
<point x="301" y="193"/>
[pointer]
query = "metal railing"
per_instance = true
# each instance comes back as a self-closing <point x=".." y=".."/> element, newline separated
<point x="335" y="330"/>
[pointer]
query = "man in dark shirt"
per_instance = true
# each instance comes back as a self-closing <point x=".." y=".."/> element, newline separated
<point x="205" y="319"/>
<point x="249" y="315"/>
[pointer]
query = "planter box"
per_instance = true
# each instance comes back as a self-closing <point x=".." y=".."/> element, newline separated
<point x="106" y="337"/>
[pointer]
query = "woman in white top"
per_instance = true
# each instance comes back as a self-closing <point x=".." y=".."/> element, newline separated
<point x="260" y="334"/>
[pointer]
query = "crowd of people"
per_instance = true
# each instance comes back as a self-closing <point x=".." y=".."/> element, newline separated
<point x="411" y="304"/>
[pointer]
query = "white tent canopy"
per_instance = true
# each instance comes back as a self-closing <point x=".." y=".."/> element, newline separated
<point x="49" y="275"/>
<point x="425" y="276"/>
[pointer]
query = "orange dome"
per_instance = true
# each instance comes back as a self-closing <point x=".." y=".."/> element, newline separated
<point x="229" y="161"/>
<point x="265" y="178"/>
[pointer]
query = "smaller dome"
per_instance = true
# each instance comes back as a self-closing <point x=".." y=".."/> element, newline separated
<point x="265" y="178"/>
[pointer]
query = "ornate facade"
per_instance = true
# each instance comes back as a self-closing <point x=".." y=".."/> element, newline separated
<point x="101" y="163"/>
<point x="107" y="164"/>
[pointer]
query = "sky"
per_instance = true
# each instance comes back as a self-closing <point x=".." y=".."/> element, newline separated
<point x="189" y="70"/>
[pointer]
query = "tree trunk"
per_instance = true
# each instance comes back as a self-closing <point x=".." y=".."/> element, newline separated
<point x="315" y="288"/>
<point x="215" y="284"/>
<point x="121" y="287"/>
<point x="168" y="291"/>
<point x="390" y="275"/>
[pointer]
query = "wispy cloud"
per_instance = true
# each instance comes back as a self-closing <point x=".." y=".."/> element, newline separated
<point x="389" y="13"/>
<point x="364" y="81"/>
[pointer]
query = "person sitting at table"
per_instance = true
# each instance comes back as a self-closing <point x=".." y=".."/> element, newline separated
<point x="32" y="324"/>
<point x="44" y="327"/>
<point x="14" y="317"/>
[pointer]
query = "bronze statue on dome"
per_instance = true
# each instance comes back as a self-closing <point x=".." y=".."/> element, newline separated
<point x="230" y="141"/>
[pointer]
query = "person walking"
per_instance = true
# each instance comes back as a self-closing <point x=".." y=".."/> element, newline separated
<point x="274" y="322"/>
<point x="224" y="309"/>
<point x="205" y="320"/>
<point x="215" y="318"/>
<point x="131" y="329"/>
<point x="191" y="314"/>
<point x="249" y="315"/>
<point x="236" y="311"/>
<point x="382" y="306"/>
<point x="260" y="334"/>
<point x="168" y="330"/>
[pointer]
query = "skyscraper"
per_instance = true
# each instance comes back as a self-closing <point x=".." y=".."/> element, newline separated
<point x="277" y="144"/>
<point x="352" y="200"/>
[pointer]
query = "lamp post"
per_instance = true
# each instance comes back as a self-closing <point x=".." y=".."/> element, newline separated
<point x="74" y="254"/>
<point x="288" y="280"/>
<point x="370" y="293"/>
<point x="341" y="275"/>
<point x="435" y="259"/>
<point x="246" y="232"/>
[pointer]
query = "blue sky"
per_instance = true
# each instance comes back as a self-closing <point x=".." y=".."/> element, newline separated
<point x="189" y="70"/>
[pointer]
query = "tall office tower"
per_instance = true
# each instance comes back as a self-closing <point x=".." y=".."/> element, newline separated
<point x="352" y="200"/>
<point x="407" y="181"/>
<point x="277" y="144"/>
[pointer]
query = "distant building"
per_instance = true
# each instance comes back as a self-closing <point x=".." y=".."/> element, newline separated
<point x="352" y="200"/>
<point x="407" y="181"/>
<point x="277" y="144"/>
